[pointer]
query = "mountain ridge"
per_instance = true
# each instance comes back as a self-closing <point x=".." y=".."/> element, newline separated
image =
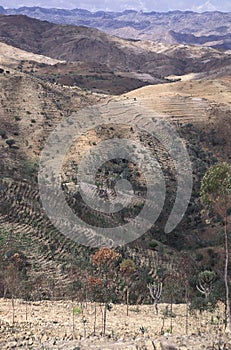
<point x="146" y="25"/>
<point x="78" y="43"/>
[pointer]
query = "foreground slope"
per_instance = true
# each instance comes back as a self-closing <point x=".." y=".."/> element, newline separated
<point x="122" y="333"/>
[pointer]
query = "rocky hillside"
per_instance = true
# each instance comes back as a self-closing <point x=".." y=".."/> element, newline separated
<point x="130" y="58"/>
<point x="37" y="95"/>
<point x="24" y="227"/>
<point x="208" y="28"/>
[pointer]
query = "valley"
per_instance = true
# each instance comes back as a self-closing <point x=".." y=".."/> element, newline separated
<point x="52" y="75"/>
<point x="211" y="28"/>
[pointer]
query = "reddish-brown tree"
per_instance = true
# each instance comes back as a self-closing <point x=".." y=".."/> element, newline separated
<point x="103" y="260"/>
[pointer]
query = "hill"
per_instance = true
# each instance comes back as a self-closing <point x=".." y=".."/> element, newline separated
<point x="12" y="57"/>
<point x="207" y="28"/>
<point x="142" y="61"/>
<point x="37" y="96"/>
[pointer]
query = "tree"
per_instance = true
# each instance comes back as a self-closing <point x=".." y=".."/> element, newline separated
<point x="216" y="192"/>
<point x="94" y="288"/>
<point x="127" y="267"/>
<point x="104" y="257"/>
<point x="205" y="282"/>
<point x="13" y="279"/>
<point x="103" y="260"/>
<point x="172" y="290"/>
<point x="185" y="270"/>
<point x="155" y="290"/>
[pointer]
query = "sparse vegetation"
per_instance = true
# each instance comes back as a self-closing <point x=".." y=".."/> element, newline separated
<point x="216" y="191"/>
<point x="64" y="291"/>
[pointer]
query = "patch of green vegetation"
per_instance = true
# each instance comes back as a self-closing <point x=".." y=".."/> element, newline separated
<point x="4" y="235"/>
<point x="29" y="168"/>
<point x="77" y="310"/>
<point x="153" y="244"/>
<point x="2" y="133"/>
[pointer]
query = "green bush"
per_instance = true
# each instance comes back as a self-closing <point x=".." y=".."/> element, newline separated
<point x="10" y="142"/>
<point x="153" y="244"/>
<point x="2" y="133"/>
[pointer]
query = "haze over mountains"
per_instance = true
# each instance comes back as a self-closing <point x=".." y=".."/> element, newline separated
<point x="207" y="29"/>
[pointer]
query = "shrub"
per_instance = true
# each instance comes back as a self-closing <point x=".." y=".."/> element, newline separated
<point x="153" y="244"/>
<point x="2" y="133"/>
<point x="10" y="142"/>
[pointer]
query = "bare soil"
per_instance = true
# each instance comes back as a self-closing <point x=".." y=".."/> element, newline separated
<point x="51" y="325"/>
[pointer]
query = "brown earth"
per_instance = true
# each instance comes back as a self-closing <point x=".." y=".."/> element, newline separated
<point x="32" y="106"/>
<point x="210" y="28"/>
<point x="71" y="43"/>
<point x="51" y="325"/>
<point x="205" y="104"/>
<point x="11" y="56"/>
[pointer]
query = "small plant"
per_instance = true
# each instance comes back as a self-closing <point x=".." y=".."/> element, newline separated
<point x="153" y="244"/>
<point x="112" y="333"/>
<point x="143" y="329"/>
<point x="109" y="307"/>
<point x="135" y="310"/>
<point x="77" y="310"/>
<point x="84" y="325"/>
<point x="215" y="321"/>
<point x="167" y="313"/>
<point x="164" y="331"/>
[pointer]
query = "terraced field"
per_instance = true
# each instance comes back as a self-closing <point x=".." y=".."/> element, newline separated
<point x="193" y="101"/>
<point x="31" y="108"/>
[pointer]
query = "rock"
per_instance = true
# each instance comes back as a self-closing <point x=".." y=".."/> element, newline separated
<point x="149" y="344"/>
<point x="30" y="342"/>
<point x="44" y="338"/>
<point x="169" y="347"/>
<point x="157" y="345"/>
<point x="161" y="345"/>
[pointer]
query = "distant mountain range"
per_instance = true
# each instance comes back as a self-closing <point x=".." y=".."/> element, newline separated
<point x="175" y="27"/>
<point x="78" y="43"/>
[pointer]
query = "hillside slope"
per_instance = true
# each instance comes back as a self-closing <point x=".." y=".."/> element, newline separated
<point x="71" y="43"/>
<point x="208" y="28"/>
<point x="32" y="105"/>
